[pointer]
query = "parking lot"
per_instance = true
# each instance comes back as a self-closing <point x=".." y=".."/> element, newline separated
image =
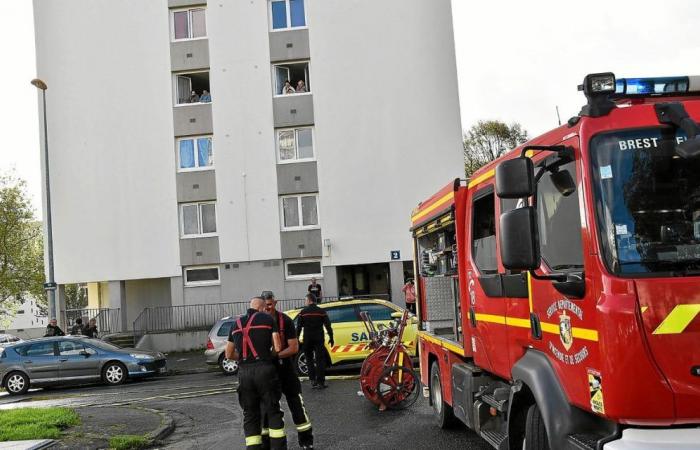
<point x="205" y="411"/>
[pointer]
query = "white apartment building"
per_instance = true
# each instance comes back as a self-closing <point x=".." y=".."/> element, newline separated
<point x="165" y="198"/>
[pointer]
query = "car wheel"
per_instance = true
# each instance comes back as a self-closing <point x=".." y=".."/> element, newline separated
<point x="300" y="364"/>
<point x="444" y="415"/>
<point x="535" y="432"/>
<point x="228" y="366"/>
<point x="114" y="373"/>
<point x="17" y="383"/>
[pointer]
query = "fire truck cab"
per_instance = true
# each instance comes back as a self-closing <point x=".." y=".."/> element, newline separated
<point x="559" y="287"/>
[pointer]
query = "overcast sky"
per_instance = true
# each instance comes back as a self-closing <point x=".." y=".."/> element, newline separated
<point x="516" y="61"/>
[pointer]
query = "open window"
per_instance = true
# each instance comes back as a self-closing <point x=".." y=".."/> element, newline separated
<point x="291" y="78"/>
<point x="192" y="88"/>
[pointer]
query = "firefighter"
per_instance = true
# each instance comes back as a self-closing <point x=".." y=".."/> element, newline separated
<point x="311" y="320"/>
<point x="291" y="386"/>
<point x="252" y="339"/>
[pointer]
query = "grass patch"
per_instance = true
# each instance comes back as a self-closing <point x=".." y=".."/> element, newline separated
<point x="129" y="442"/>
<point x="35" y="423"/>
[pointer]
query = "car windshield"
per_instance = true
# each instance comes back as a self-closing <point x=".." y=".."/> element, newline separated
<point x="647" y="202"/>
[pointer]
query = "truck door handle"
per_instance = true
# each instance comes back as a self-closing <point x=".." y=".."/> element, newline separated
<point x="535" y="326"/>
<point x="472" y="317"/>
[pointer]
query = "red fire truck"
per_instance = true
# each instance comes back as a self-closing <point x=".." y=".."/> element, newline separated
<point x="559" y="287"/>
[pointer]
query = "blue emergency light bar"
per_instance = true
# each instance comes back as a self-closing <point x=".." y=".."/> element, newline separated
<point x="656" y="86"/>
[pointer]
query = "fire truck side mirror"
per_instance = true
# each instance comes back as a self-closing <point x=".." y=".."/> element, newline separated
<point x="520" y="247"/>
<point x="515" y="178"/>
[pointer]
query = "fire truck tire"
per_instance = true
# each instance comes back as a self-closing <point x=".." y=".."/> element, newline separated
<point x="444" y="415"/>
<point x="535" y="431"/>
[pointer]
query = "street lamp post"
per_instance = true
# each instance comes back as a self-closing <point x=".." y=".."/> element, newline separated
<point x="50" y="285"/>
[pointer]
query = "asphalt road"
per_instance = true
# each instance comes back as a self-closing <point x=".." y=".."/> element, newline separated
<point x="207" y="415"/>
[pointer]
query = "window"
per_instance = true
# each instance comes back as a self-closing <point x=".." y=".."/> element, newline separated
<point x="201" y="275"/>
<point x="38" y="349"/>
<point x="189" y="24"/>
<point x="198" y="219"/>
<point x="295" y="144"/>
<point x="195" y="153"/>
<point x="299" y="212"/>
<point x="225" y="329"/>
<point x="377" y="312"/>
<point x="559" y="223"/>
<point x="285" y="14"/>
<point x="70" y="348"/>
<point x="192" y="88"/>
<point x="304" y="269"/>
<point x="484" y="233"/>
<point x="342" y="314"/>
<point x="291" y="78"/>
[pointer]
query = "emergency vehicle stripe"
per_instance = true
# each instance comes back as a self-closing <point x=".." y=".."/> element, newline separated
<point x="529" y="291"/>
<point x="441" y="201"/>
<point x="552" y="328"/>
<point x="448" y="345"/>
<point x="679" y="318"/>
<point x="481" y="178"/>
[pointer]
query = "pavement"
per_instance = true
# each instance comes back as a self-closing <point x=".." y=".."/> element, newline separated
<point x="204" y="413"/>
<point x="188" y="363"/>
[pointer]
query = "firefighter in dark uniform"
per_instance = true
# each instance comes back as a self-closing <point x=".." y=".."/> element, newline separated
<point x="252" y="339"/>
<point x="312" y="320"/>
<point x="291" y="386"/>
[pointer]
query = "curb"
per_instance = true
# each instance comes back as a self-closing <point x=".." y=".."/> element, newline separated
<point x="174" y="372"/>
<point x="167" y="426"/>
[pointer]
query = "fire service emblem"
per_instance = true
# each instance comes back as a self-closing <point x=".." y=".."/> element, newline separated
<point x="567" y="338"/>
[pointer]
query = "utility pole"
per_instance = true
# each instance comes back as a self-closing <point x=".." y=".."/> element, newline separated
<point x="558" y="116"/>
<point x="50" y="285"/>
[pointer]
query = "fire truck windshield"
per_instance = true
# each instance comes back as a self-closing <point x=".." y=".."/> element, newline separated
<point x="647" y="202"/>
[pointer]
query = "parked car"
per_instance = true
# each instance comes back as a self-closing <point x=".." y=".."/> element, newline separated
<point x="349" y="331"/>
<point x="71" y="359"/>
<point x="216" y="344"/>
<point x="7" y="339"/>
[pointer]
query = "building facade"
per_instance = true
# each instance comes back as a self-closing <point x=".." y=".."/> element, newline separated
<point x="186" y="170"/>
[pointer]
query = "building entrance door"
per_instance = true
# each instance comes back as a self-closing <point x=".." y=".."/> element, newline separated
<point x="372" y="280"/>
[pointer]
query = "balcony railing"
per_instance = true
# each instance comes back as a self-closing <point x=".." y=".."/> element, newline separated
<point x="108" y="320"/>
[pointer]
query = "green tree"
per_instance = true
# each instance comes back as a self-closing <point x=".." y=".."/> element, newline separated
<point x="488" y="140"/>
<point x="76" y="296"/>
<point x="21" y="245"/>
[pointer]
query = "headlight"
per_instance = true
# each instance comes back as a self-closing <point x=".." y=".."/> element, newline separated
<point x="140" y="356"/>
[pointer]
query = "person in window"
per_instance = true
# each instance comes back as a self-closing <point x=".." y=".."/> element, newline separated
<point x="409" y="291"/>
<point x="287" y="89"/>
<point x="206" y="97"/>
<point x="315" y="289"/>
<point x="194" y="98"/>
<point x="91" y="330"/>
<point x="52" y="329"/>
<point x="77" y="329"/>
<point x="301" y="86"/>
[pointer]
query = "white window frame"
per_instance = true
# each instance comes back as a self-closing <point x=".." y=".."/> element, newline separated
<point x="296" y="158"/>
<point x="175" y="88"/>
<point x="199" y="220"/>
<point x="287" y="63"/>
<point x="201" y="283"/>
<point x="318" y="276"/>
<point x="197" y="167"/>
<point x="189" y="23"/>
<point x="301" y="213"/>
<point x="289" y="17"/>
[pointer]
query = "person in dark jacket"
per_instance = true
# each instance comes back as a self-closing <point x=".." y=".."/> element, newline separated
<point x="77" y="329"/>
<point x="91" y="330"/>
<point x="52" y="329"/>
<point x="311" y="320"/>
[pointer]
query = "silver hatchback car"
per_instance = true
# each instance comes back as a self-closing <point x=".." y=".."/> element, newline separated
<point x="72" y="359"/>
<point x="216" y="344"/>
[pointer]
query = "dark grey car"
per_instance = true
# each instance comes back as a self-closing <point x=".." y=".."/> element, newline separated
<point x="73" y="359"/>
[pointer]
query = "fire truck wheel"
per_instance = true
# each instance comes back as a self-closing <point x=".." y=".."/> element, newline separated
<point x="535" y="432"/>
<point x="443" y="412"/>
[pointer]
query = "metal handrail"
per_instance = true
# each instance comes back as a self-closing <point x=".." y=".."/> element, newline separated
<point x="108" y="319"/>
<point x="199" y="317"/>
